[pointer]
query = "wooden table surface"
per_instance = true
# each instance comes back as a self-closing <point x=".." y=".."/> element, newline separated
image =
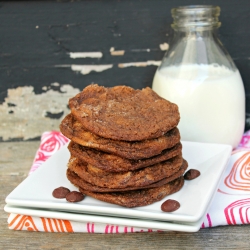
<point x="40" y="71"/>
<point x="16" y="159"/>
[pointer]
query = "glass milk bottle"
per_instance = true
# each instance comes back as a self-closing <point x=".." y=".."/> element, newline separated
<point x="198" y="74"/>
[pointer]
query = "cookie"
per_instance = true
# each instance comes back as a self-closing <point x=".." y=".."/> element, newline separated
<point x="123" y="113"/>
<point x="114" y="163"/>
<point x="137" y="198"/>
<point x="77" y="181"/>
<point x="74" y="130"/>
<point x="137" y="178"/>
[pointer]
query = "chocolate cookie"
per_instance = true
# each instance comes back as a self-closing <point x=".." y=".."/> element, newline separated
<point x="137" y="198"/>
<point x="123" y="113"/>
<point x="74" y="130"/>
<point x="137" y="178"/>
<point x="114" y="163"/>
<point x="77" y="181"/>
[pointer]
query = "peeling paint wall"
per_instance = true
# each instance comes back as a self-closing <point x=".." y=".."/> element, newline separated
<point x="139" y="64"/>
<point x="86" y="69"/>
<point x="25" y="115"/>
<point x="51" y="50"/>
<point x="75" y="55"/>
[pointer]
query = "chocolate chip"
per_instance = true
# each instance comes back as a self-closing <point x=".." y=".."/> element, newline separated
<point x="191" y="174"/>
<point x="60" y="192"/>
<point x="74" y="196"/>
<point x="170" y="205"/>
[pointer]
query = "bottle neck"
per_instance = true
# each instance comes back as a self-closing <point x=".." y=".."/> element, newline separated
<point x="195" y="34"/>
<point x="196" y="23"/>
<point x="196" y="17"/>
<point x="195" y="38"/>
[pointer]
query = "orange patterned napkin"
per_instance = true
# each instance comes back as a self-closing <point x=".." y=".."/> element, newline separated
<point x="230" y="206"/>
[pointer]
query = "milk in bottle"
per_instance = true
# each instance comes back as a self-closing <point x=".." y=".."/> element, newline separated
<point x="198" y="74"/>
<point x="211" y="101"/>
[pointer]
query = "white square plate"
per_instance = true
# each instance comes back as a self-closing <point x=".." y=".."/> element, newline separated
<point x="77" y="217"/>
<point x="210" y="159"/>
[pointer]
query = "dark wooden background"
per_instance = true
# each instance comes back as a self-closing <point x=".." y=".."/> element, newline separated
<point x="36" y="38"/>
<point x="36" y="80"/>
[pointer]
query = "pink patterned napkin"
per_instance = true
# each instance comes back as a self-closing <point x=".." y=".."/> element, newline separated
<point x="230" y="206"/>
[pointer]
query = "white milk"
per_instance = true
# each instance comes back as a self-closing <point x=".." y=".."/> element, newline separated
<point x="211" y="101"/>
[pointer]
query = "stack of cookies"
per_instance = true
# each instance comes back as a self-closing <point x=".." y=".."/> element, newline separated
<point x="125" y="147"/>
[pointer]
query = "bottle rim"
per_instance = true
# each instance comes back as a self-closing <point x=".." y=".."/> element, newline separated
<point x="205" y="16"/>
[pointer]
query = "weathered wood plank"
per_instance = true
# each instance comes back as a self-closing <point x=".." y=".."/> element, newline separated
<point x="14" y="166"/>
<point x="37" y="78"/>
<point x="37" y="38"/>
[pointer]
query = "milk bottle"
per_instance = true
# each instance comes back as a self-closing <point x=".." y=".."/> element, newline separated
<point x="200" y="77"/>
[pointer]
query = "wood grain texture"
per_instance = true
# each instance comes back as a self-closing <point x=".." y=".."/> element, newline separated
<point x="37" y="38"/>
<point x="14" y="166"/>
